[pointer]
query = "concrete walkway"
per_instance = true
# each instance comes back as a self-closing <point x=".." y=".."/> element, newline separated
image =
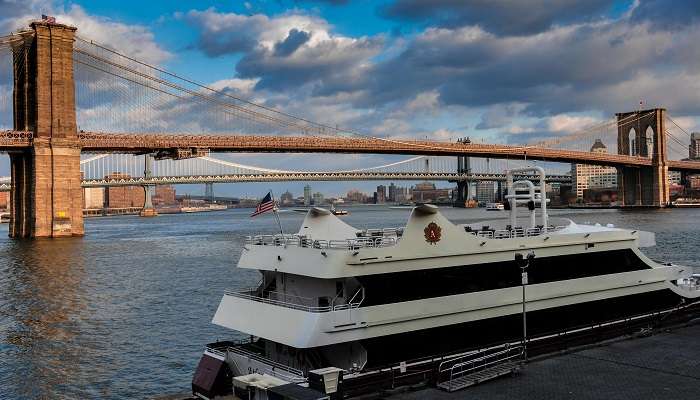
<point x="664" y="366"/>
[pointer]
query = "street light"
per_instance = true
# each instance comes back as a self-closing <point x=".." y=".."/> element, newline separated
<point x="524" y="263"/>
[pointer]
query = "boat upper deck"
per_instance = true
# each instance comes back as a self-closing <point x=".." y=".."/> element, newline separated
<point x="377" y="238"/>
<point x="326" y="247"/>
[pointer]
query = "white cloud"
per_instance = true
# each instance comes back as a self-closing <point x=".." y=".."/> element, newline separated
<point x="564" y="123"/>
<point x="244" y="87"/>
<point x="134" y="40"/>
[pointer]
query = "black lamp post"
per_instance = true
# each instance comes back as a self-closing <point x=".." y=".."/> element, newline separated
<point x="524" y="263"/>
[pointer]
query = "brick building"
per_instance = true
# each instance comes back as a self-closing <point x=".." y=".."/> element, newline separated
<point x="4" y="200"/>
<point x="427" y="192"/>
<point x="164" y="196"/>
<point x="93" y="198"/>
<point x="123" y="196"/>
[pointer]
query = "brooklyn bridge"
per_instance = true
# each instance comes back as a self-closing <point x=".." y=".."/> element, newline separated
<point x="70" y="97"/>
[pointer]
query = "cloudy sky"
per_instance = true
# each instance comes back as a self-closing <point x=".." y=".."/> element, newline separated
<point x="495" y="70"/>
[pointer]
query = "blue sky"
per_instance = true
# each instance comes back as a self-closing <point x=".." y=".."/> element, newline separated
<point x="502" y="71"/>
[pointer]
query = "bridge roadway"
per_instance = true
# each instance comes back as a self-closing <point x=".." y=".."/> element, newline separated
<point x="302" y="176"/>
<point x="96" y="142"/>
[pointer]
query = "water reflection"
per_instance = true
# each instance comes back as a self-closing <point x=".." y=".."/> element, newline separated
<point x="42" y="303"/>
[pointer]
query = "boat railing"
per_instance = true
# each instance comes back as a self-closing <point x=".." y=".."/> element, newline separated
<point x="351" y="304"/>
<point x="302" y="241"/>
<point x="274" y="365"/>
<point x="690" y="283"/>
<point x="512" y="233"/>
<point x="295" y="302"/>
<point x="395" y="232"/>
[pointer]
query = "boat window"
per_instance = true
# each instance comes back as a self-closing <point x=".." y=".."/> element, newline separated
<point x="415" y="285"/>
<point x="339" y="288"/>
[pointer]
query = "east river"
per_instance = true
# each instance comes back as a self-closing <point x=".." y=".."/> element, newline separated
<point x="125" y="311"/>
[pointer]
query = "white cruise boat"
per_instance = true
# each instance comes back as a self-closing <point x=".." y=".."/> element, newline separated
<point x="336" y="296"/>
<point x="495" y="207"/>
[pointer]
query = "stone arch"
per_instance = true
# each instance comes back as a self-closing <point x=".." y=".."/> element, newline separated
<point x="649" y="135"/>
<point x="632" y="142"/>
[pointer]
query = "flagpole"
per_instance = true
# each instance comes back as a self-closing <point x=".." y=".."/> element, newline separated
<point x="274" y="210"/>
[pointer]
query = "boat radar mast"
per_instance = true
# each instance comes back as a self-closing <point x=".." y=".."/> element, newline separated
<point x="532" y="198"/>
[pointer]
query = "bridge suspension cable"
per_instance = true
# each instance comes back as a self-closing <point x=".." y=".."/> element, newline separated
<point x="321" y="126"/>
<point x="253" y="111"/>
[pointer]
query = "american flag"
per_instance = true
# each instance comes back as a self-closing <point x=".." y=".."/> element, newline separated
<point x="265" y="205"/>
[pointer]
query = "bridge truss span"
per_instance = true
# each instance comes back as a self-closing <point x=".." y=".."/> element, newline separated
<point x="310" y="176"/>
<point x="125" y="143"/>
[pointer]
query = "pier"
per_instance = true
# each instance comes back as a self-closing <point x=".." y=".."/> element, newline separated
<point x="661" y="366"/>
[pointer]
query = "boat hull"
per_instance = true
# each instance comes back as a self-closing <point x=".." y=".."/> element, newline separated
<point x="451" y="339"/>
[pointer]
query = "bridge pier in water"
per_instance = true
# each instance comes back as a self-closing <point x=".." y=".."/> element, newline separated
<point x="642" y="133"/>
<point x="148" y="209"/>
<point x="209" y="192"/>
<point x="463" y="167"/>
<point x="46" y="192"/>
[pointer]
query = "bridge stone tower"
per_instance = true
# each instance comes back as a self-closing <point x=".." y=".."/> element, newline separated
<point x="642" y="133"/>
<point x="46" y="192"/>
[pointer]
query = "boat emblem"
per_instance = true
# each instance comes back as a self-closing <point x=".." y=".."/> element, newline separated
<point x="433" y="233"/>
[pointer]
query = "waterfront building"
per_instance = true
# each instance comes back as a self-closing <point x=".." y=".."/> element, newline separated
<point x="392" y="192"/>
<point x="307" y="195"/>
<point x="674" y="177"/>
<point x="93" y="198"/>
<point x="4" y="200"/>
<point x="485" y="192"/>
<point x="123" y="196"/>
<point x="355" y="196"/>
<point x="402" y="195"/>
<point x="287" y="198"/>
<point x="694" y="150"/>
<point x="317" y="198"/>
<point x="600" y="195"/>
<point x="587" y="176"/>
<point x="164" y="196"/>
<point x="427" y="192"/>
<point x="380" y="194"/>
<point x="694" y="181"/>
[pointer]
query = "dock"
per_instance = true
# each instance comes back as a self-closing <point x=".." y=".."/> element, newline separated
<point x="665" y="365"/>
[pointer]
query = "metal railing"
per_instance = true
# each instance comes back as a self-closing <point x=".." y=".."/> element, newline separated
<point x="351" y="304"/>
<point x="690" y="283"/>
<point x="469" y="363"/>
<point x="512" y="233"/>
<point x="274" y="365"/>
<point x="296" y="302"/>
<point x="397" y="232"/>
<point x="301" y="241"/>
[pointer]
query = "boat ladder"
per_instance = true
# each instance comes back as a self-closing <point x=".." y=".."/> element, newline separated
<point x="474" y="368"/>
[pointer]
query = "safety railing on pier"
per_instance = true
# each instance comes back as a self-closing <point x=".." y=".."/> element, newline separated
<point x="465" y="365"/>
<point x="297" y="302"/>
<point x="301" y="241"/>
